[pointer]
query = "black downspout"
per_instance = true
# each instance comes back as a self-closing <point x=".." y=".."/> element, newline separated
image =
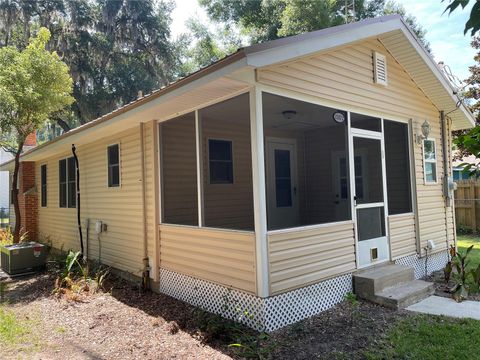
<point x="79" y="222"/>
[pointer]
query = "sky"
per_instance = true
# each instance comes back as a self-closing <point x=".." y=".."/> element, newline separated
<point x="444" y="32"/>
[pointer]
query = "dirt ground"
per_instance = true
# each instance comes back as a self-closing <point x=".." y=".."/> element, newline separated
<point x="125" y="323"/>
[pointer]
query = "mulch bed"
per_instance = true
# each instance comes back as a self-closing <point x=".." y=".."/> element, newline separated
<point x="126" y="323"/>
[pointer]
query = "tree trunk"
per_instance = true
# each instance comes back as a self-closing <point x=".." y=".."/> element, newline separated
<point x="16" y="205"/>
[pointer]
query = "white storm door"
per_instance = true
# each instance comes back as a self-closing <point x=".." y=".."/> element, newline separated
<point x="369" y="200"/>
<point x="282" y="192"/>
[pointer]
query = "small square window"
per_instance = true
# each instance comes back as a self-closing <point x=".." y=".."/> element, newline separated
<point x="113" y="154"/>
<point x="220" y="161"/>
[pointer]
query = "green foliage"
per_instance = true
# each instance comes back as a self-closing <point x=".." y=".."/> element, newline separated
<point x="473" y="21"/>
<point x="464" y="230"/>
<point x="424" y="337"/>
<point x="80" y="277"/>
<point x="464" y="268"/>
<point x="467" y="141"/>
<point x="12" y="330"/>
<point x="34" y="83"/>
<point x="460" y="275"/>
<point x="351" y="298"/>
<point x="263" y="20"/>
<point x="114" y="48"/>
<point x="207" y="46"/>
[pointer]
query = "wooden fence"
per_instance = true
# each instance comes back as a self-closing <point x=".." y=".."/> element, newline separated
<point x="467" y="204"/>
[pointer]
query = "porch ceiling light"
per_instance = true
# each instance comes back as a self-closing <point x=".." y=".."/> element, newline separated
<point x="425" y="132"/>
<point x="289" y="114"/>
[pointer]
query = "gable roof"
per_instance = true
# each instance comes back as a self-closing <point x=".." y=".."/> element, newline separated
<point x="391" y="31"/>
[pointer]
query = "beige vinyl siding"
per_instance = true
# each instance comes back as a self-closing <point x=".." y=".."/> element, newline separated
<point x="121" y="246"/>
<point x="221" y="256"/>
<point x="301" y="257"/>
<point x="402" y="235"/>
<point x="345" y="76"/>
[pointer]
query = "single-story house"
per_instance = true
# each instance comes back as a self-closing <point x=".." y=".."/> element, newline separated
<point x="267" y="178"/>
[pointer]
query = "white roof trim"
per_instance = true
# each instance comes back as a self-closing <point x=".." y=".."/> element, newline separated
<point x="288" y="49"/>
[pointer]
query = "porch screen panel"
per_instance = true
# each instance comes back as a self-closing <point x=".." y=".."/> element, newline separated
<point x="179" y="171"/>
<point x="397" y="159"/>
<point x="227" y="164"/>
<point x="306" y="163"/>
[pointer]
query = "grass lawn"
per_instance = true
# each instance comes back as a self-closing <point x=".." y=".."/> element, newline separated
<point x="12" y="329"/>
<point x="429" y="337"/>
<point x="465" y="241"/>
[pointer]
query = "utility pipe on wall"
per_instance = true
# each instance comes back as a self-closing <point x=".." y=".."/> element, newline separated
<point x="446" y="176"/>
<point x="79" y="222"/>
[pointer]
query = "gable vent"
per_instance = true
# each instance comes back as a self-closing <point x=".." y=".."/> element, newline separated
<point x="380" y="68"/>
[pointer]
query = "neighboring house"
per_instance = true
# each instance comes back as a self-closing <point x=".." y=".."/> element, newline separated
<point x="5" y="156"/>
<point x="458" y="167"/>
<point x="277" y="172"/>
<point x="4" y="183"/>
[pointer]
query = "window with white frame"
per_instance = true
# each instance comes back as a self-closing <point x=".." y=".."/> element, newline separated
<point x="67" y="181"/>
<point x="430" y="161"/>
<point x="113" y="158"/>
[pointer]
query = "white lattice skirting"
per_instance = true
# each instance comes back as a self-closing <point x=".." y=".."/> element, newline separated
<point x="434" y="262"/>
<point x="277" y="311"/>
<point x="261" y="314"/>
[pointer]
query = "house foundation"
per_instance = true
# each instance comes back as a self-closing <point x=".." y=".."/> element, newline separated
<point x="275" y="312"/>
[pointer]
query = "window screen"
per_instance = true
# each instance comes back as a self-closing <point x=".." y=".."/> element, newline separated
<point x="72" y="184"/>
<point x="220" y="161"/>
<point x="113" y="165"/>
<point x="397" y="160"/>
<point x="62" y="182"/>
<point x="67" y="183"/>
<point x="43" y="171"/>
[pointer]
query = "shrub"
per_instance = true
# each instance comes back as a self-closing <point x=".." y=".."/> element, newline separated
<point x="79" y="277"/>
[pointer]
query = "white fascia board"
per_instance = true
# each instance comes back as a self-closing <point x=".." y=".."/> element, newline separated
<point x="303" y="47"/>
<point x="428" y="60"/>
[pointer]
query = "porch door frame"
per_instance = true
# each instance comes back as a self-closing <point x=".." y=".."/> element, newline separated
<point x="379" y="136"/>
<point x="293" y="211"/>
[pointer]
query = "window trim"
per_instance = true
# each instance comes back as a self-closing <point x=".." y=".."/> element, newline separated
<point x="43" y="200"/>
<point x="209" y="181"/>
<point x="119" y="166"/>
<point x="425" y="161"/>
<point x="66" y="182"/>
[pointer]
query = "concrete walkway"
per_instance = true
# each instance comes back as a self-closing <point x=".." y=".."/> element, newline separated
<point x="437" y="305"/>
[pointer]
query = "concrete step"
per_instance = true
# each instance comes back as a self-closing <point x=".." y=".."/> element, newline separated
<point x="404" y="294"/>
<point x="371" y="281"/>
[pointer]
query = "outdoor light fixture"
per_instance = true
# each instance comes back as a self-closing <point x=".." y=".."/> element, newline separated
<point x="289" y="114"/>
<point x="425" y="132"/>
<point x="339" y="117"/>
